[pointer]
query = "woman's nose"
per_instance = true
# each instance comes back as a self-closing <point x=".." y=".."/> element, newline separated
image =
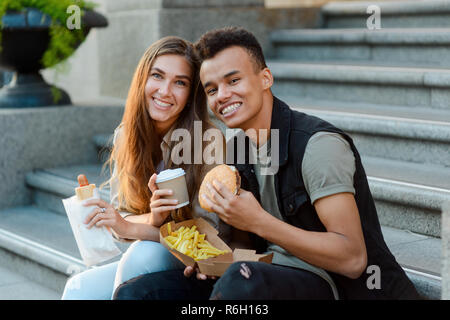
<point x="164" y="89"/>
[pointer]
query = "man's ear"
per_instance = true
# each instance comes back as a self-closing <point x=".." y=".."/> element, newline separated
<point x="267" y="78"/>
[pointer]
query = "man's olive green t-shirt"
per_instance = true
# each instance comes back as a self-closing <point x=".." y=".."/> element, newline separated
<point x="328" y="167"/>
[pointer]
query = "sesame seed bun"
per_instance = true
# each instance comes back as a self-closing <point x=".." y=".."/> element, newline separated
<point x="227" y="175"/>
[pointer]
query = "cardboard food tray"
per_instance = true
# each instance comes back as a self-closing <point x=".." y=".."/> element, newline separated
<point x="213" y="266"/>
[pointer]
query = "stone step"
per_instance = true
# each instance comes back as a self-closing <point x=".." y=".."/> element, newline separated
<point x="40" y="245"/>
<point x="14" y="286"/>
<point x="424" y="47"/>
<point x="417" y="135"/>
<point x="397" y="86"/>
<point x="50" y="186"/>
<point x="408" y="196"/>
<point x="394" y="14"/>
<point x="420" y="257"/>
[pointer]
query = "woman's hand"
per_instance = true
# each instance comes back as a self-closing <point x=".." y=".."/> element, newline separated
<point x="106" y="215"/>
<point x="159" y="207"/>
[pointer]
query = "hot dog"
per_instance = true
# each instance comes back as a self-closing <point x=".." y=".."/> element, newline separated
<point x="85" y="190"/>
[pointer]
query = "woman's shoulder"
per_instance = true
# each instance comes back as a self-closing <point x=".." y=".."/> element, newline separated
<point x="117" y="132"/>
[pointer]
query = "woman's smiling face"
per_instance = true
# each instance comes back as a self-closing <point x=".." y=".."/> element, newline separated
<point x="167" y="90"/>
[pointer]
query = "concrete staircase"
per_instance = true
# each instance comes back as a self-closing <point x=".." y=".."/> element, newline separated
<point x="388" y="89"/>
<point x="37" y="240"/>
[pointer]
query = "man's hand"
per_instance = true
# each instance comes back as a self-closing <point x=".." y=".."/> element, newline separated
<point x="241" y="211"/>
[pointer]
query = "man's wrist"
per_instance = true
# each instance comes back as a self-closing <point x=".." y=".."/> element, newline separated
<point x="261" y="224"/>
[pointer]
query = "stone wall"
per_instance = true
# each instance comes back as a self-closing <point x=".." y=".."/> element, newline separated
<point x="105" y="62"/>
<point x="45" y="138"/>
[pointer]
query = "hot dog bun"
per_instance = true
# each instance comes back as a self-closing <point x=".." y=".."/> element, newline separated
<point x="227" y="175"/>
<point x="85" y="189"/>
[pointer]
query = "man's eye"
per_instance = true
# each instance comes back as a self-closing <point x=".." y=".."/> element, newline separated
<point x="234" y="80"/>
<point x="211" y="91"/>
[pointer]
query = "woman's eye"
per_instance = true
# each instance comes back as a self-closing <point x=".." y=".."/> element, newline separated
<point x="156" y="76"/>
<point x="181" y="83"/>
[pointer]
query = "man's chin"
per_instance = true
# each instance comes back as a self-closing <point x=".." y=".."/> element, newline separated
<point x="232" y="124"/>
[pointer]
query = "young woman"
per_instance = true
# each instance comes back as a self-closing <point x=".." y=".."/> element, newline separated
<point x="163" y="96"/>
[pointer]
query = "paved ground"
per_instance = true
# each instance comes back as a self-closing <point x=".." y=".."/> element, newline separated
<point x="14" y="286"/>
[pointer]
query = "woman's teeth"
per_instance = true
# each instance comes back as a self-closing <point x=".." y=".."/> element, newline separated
<point x="161" y="104"/>
<point x="230" y="108"/>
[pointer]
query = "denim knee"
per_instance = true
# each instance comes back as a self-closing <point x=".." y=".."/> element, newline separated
<point x="238" y="282"/>
<point x="145" y="257"/>
<point x="125" y="292"/>
<point x="92" y="284"/>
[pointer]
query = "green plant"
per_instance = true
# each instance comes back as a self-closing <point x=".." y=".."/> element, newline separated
<point x="62" y="40"/>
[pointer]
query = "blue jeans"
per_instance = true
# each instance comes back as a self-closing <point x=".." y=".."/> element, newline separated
<point x="242" y="281"/>
<point x="99" y="283"/>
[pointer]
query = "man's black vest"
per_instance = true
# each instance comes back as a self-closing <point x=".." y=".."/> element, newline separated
<point x="295" y="129"/>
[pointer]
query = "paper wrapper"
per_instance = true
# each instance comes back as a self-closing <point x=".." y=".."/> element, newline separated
<point x="96" y="245"/>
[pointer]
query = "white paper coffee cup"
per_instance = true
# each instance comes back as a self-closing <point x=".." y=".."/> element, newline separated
<point x="174" y="179"/>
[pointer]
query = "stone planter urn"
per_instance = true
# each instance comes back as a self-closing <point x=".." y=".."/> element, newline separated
<point x="25" y="38"/>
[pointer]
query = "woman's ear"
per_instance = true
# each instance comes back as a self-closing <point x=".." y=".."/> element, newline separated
<point x="267" y="78"/>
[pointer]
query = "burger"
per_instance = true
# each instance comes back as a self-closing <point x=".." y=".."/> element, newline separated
<point x="227" y="175"/>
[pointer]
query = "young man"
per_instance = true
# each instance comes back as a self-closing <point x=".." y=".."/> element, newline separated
<point x="315" y="213"/>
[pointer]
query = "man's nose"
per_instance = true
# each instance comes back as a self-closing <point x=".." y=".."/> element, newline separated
<point x="223" y="94"/>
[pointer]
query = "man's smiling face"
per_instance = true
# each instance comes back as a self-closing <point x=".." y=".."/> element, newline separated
<point x="233" y="87"/>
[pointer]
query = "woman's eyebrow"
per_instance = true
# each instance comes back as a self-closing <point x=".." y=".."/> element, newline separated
<point x="177" y="76"/>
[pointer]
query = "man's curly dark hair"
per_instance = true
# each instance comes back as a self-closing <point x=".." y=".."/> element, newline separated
<point x="214" y="41"/>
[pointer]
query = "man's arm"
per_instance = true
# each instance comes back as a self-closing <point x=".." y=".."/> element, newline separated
<point x="341" y="249"/>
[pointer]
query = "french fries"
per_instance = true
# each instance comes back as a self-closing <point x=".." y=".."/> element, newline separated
<point x="191" y="243"/>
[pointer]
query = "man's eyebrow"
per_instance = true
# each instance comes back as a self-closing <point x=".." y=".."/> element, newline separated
<point x="182" y="76"/>
<point x="229" y="74"/>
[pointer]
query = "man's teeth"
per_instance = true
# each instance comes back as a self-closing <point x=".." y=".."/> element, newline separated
<point x="162" y="104"/>
<point x="231" y="108"/>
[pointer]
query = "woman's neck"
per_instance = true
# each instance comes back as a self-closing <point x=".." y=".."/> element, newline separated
<point x="162" y="129"/>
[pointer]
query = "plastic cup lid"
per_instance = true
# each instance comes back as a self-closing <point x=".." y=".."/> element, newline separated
<point x="169" y="174"/>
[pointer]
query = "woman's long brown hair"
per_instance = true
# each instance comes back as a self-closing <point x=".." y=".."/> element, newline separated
<point x="137" y="151"/>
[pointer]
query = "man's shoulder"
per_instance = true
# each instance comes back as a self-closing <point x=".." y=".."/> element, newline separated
<point x="302" y="121"/>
